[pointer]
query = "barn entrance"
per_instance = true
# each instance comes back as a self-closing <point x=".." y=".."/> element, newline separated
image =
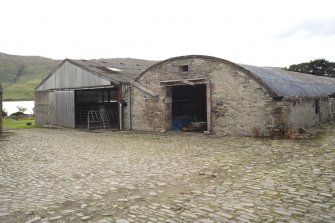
<point x="189" y="108"/>
<point x="96" y="108"/>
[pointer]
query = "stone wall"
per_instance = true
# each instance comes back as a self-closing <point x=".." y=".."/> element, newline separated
<point x="332" y="107"/>
<point x="0" y="111"/>
<point x="239" y="105"/>
<point x="324" y="113"/>
<point x="147" y="112"/>
<point x="44" y="108"/>
<point x="303" y="112"/>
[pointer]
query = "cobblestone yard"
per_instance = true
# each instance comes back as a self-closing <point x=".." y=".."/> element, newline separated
<point x="52" y="175"/>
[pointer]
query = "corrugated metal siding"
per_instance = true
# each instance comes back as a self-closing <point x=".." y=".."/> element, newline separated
<point x="64" y="109"/>
<point x="51" y="114"/>
<point x="71" y="76"/>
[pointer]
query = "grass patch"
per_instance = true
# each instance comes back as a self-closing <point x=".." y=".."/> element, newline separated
<point x="21" y="90"/>
<point x="18" y="124"/>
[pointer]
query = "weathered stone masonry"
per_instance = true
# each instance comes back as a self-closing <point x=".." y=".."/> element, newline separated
<point x="239" y="105"/>
<point x="299" y="113"/>
<point x="1" y="108"/>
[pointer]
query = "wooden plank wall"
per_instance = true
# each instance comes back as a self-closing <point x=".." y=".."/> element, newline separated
<point x="64" y="108"/>
<point x="71" y="76"/>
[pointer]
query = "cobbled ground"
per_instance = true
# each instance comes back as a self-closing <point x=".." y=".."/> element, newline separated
<point x="63" y="175"/>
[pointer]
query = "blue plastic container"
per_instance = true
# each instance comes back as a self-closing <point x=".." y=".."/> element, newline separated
<point x="180" y="122"/>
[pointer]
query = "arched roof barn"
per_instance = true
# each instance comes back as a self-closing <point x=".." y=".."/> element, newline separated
<point x="233" y="99"/>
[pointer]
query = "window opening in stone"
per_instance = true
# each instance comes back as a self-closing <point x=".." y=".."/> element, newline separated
<point x="183" y="68"/>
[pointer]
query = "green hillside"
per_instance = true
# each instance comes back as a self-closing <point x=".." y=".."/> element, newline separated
<point x="19" y="75"/>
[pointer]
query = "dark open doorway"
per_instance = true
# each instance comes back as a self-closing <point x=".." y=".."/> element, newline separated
<point x="189" y="108"/>
<point x="100" y="106"/>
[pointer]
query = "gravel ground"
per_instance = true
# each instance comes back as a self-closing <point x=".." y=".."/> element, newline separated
<point x="63" y="175"/>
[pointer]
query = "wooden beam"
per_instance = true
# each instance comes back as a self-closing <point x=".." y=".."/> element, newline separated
<point x="141" y="87"/>
<point x="130" y="119"/>
<point x="120" y="116"/>
<point x="119" y="109"/>
<point x="187" y="82"/>
<point x="180" y="80"/>
<point x="168" y="109"/>
<point x="191" y="82"/>
<point x="208" y="102"/>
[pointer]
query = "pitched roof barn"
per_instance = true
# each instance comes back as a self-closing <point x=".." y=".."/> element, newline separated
<point x="76" y="87"/>
<point x="116" y="72"/>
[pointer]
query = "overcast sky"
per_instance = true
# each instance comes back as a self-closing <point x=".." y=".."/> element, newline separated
<point x="256" y="32"/>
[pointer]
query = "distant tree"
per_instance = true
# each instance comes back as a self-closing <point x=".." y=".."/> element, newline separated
<point x="21" y="109"/>
<point x="319" y="67"/>
<point x="4" y="113"/>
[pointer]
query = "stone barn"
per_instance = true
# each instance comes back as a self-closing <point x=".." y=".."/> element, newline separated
<point x="202" y="93"/>
<point x="1" y="92"/>
<point x="83" y="94"/>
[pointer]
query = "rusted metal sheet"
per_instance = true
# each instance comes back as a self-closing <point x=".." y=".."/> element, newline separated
<point x="64" y="108"/>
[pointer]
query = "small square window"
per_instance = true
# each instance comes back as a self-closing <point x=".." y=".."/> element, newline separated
<point x="183" y="68"/>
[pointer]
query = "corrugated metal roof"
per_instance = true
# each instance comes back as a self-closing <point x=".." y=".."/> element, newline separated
<point x="127" y="70"/>
<point x="116" y="77"/>
<point x="277" y="82"/>
<point x="287" y="83"/>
